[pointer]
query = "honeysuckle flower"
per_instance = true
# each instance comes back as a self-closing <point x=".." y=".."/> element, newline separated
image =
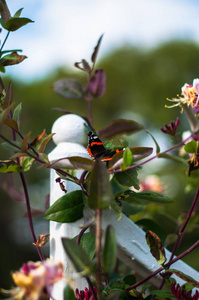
<point x="196" y="89"/>
<point x="171" y="128"/>
<point x="151" y="183"/>
<point x="36" y="279"/>
<point x="181" y="293"/>
<point x="85" y="295"/>
<point x="190" y="95"/>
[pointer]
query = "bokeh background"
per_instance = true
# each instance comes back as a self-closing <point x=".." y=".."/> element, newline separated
<point x="149" y="50"/>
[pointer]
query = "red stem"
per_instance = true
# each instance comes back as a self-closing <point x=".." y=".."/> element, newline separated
<point x="155" y="156"/>
<point x="29" y="214"/>
<point x="165" y="266"/>
<point x="181" y="232"/>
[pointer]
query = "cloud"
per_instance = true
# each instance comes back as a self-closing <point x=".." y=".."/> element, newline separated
<point x="67" y="31"/>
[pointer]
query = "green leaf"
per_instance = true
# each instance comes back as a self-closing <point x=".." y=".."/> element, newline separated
<point x="85" y="66"/>
<point x="156" y="247"/>
<point x="78" y="256"/>
<point x="100" y="195"/>
<point x="130" y="279"/>
<point x="117" y="209"/>
<point x="127" y="159"/>
<point x="27" y="163"/>
<point x="66" y="209"/>
<point x="68" y="88"/>
<point x="4" y="11"/>
<point x="14" y="24"/>
<point x="138" y="153"/>
<point x="18" y="13"/>
<point x="44" y="157"/>
<point x="4" y="114"/>
<point x="185" y="277"/>
<point x="16" y="146"/>
<point x="193" y="121"/>
<point x="87" y="243"/>
<point x="17" y="114"/>
<point x="69" y="293"/>
<point x="131" y="209"/>
<point x="11" y="123"/>
<point x="24" y="143"/>
<point x="128" y="178"/>
<point x="9" y="51"/>
<point x="96" y="49"/>
<point x="12" y="59"/>
<point x="2" y="69"/>
<point x="9" y="166"/>
<point x="81" y="163"/>
<point x="162" y="293"/>
<point x="191" y="147"/>
<point x="109" y="250"/>
<point x="156" y="143"/>
<point x="113" y="286"/>
<point x="120" y="126"/>
<point x="8" y="99"/>
<point x="151" y="196"/>
<point x="117" y="188"/>
<point x="44" y="142"/>
<point x="174" y="158"/>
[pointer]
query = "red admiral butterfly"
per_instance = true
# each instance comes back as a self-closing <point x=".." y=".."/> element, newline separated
<point x="97" y="150"/>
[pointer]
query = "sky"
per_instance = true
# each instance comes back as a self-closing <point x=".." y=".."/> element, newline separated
<point x="65" y="31"/>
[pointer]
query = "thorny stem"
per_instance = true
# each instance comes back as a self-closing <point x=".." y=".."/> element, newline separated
<point x="98" y="251"/>
<point x="153" y="157"/>
<point x="165" y="266"/>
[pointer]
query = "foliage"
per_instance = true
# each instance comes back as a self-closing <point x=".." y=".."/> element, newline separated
<point x="109" y="181"/>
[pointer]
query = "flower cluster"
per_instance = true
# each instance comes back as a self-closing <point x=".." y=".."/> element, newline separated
<point x="36" y="279"/>
<point x="190" y="95"/>
<point x="181" y="293"/>
<point x="171" y="128"/>
<point x="85" y="295"/>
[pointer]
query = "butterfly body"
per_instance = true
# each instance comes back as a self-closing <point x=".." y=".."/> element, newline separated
<point x="97" y="150"/>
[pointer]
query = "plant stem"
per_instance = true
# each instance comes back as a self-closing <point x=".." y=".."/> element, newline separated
<point x="181" y="232"/>
<point x="7" y="35"/>
<point x="2" y="85"/>
<point x="29" y="214"/>
<point x="90" y="112"/>
<point x="98" y="251"/>
<point x="87" y="278"/>
<point x="80" y="235"/>
<point x="91" y="287"/>
<point x="22" y="137"/>
<point x="153" y="157"/>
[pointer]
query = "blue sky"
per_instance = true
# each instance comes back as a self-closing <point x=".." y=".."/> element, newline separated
<point x="65" y="31"/>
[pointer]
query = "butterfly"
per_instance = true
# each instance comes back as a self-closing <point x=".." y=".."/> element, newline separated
<point x="97" y="150"/>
